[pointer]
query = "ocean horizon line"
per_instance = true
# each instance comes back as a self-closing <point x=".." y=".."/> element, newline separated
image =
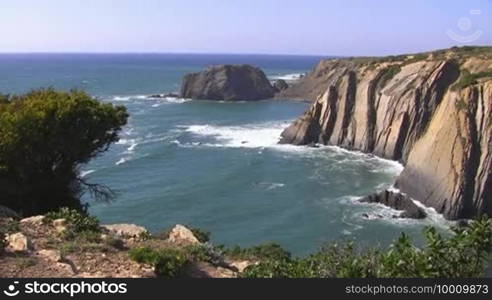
<point x="168" y="53"/>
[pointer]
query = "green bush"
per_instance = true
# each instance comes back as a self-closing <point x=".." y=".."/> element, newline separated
<point x="4" y="99"/>
<point x="9" y="225"/>
<point x="464" y="254"/>
<point x="77" y="221"/>
<point x="205" y="252"/>
<point x="202" y="235"/>
<point x="168" y="263"/>
<point x="268" y="251"/>
<point x="45" y="136"/>
<point x="389" y="73"/>
<point x="468" y="79"/>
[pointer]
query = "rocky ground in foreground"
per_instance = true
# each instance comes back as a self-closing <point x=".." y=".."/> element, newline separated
<point x="70" y="244"/>
<point x="44" y="247"/>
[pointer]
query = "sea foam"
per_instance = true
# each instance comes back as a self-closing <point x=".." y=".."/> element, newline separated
<point x="288" y="77"/>
<point x="240" y="136"/>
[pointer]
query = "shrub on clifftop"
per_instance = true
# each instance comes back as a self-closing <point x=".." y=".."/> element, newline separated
<point x="45" y="135"/>
<point x="463" y="255"/>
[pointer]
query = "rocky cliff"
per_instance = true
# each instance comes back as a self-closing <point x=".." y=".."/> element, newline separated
<point x="431" y="111"/>
<point x="227" y="82"/>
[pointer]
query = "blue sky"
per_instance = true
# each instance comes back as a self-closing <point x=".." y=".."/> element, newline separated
<point x="318" y="27"/>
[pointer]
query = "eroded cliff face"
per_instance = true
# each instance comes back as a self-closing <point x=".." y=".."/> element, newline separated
<point x="415" y="111"/>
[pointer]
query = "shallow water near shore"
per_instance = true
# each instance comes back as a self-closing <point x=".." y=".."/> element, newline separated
<point x="217" y="165"/>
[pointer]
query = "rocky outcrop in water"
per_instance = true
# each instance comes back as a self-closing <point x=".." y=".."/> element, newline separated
<point x="280" y="85"/>
<point x="397" y="201"/>
<point x="431" y="112"/>
<point x="165" y="95"/>
<point x="227" y="82"/>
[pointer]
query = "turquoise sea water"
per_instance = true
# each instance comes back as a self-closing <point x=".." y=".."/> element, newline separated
<point x="216" y="165"/>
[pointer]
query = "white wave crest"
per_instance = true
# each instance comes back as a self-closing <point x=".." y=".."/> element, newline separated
<point x="161" y="100"/>
<point x="267" y="135"/>
<point x="123" y="142"/>
<point x="85" y="173"/>
<point x="271" y="185"/>
<point x="131" y="143"/>
<point x="122" y="161"/>
<point x="132" y="147"/>
<point x="382" y="213"/>
<point x="176" y="100"/>
<point x="121" y="98"/>
<point x="385" y="165"/>
<point x="288" y="77"/>
<point x="245" y="136"/>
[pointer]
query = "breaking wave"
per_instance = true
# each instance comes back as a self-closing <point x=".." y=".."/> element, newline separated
<point x="288" y="77"/>
<point x="244" y="136"/>
<point x="159" y="100"/>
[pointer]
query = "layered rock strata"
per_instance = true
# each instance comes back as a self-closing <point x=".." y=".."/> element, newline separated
<point x="431" y="114"/>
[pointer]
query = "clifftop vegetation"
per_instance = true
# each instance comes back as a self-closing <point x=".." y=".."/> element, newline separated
<point x="45" y="135"/>
<point x="67" y="243"/>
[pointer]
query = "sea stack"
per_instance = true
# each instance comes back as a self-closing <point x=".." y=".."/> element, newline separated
<point x="229" y="83"/>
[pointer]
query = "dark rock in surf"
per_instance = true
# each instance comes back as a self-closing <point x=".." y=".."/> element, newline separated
<point x="280" y="85"/>
<point x="168" y="95"/>
<point x="397" y="201"/>
<point x="227" y="82"/>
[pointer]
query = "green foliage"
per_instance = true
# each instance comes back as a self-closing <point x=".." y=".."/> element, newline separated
<point x="168" y="263"/>
<point x="416" y="58"/>
<point x="268" y="251"/>
<point x="78" y="222"/>
<point x="67" y="248"/>
<point x="331" y="261"/>
<point x="45" y="136"/>
<point x="9" y="225"/>
<point x="272" y="268"/>
<point x="464" y="254"/>
<point x="389" y="73"/>
<point x="202" y="235"/>
<point x="205" y="252"/>
<point x="467" y="79"/>
<point x="468" y="51"/>
<point x="4" y="99"/>
<point x="342" y="260"/>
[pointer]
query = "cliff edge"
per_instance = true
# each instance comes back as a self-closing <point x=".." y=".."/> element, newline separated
<point x="430" y="111"/>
